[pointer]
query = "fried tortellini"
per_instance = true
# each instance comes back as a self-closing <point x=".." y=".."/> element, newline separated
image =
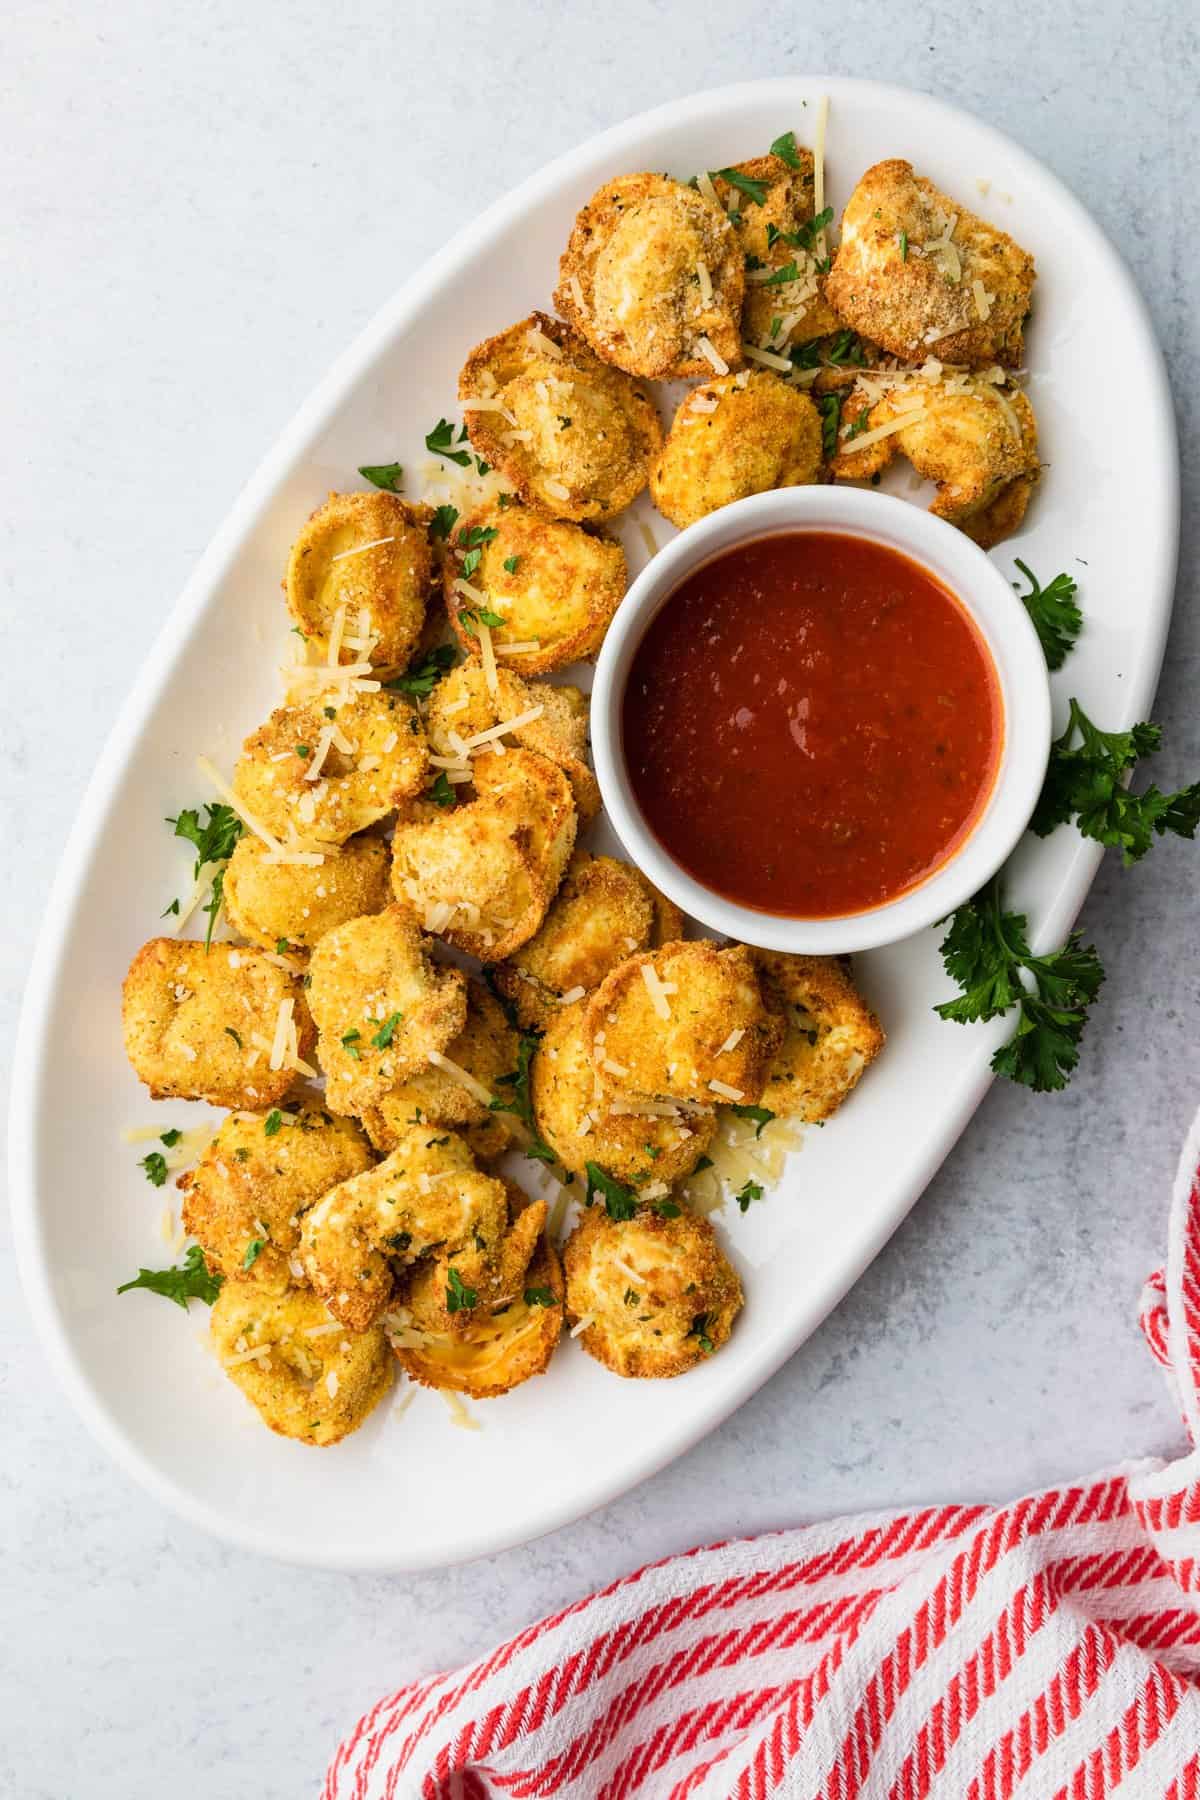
<point x="308" y="778"/>
<point x="654" y="1295"/>
<point x="652" y="273"/>
<point x="604" y="911"/>
<point x="497" y="1349"/>
<point x="784" y="302"/>
<point x="740" y="435"/>
<point x="482" y="875"/>
<point x="640" y="1143"/>
<point x="486" y="1049"/>
<point x="287" y="906"/>
<point x="831" y="1036"/>
<point x="554" y="723"/>
<point x="366" y="554"/>
<point x="381" y="1006"/>
<point x="975" y="438"/>
<point x="554" y="585"/>
<point x="916" y="272"/>
<point x="244" y="1198"/>
<point x="571" y="435"/>
<point x="426" y="1199"/>
<point x="686" y="1022"/>
<point x="196" y="1020"/>
<point x="304" y="1379"/>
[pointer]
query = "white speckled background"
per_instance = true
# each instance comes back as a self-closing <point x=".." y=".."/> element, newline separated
<point x="200" y="207"/>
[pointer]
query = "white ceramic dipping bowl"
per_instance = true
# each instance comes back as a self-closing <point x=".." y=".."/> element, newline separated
<point x="1005" y="628"/>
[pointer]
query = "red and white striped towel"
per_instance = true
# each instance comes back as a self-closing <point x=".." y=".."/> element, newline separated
<point x="1049" y="1648"/>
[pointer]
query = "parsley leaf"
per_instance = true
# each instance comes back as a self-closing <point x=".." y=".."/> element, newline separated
<point x="235" y="1035"/>
<point x="272" y="1122"/>
<point x="383" y="475"/>
<point x="762" y="1116"/>
<point x="788" y="272"/>
<point x="520" y="1104"/>
<point x="215" y="839"/>
<point x="423" y="677"/>
<point x="441" y="442"/>
<point x="510" y="564"/>
<point x="749" y="1190"/>
<point x="1057" y="619"/>
<point x="755" y="191"/>
<point x="254" y="1250"/>
<point x="459" y="1297"/>
<point x="444" y="520"/>
<point x="383" y="1036"/>
<point x="155" y="1166"/>
<point x="190" y="1282"/>
<point x="540" y="1296"/>
<point x="620" y="1202"/>
<point x="350" y="1044"/>
<point x="468" y="618"/>
<point x="1083" y="782"/>
<point x="904" y="246"/>
<point x="856" y="427"/>
<point x="440" y="791"/>
<point x="470" y="537"/>
<point x="170" y="1138"/>
<point x="986" y="952"/>
<point x="785" y="149"/>
<point x="845" y="346"/>
<point x="830" y="408"/>
<point x="700" y="1331"/>
<point x="805" y="236"/>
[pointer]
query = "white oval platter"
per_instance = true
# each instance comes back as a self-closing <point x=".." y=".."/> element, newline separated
<point x="413" y="1492"/>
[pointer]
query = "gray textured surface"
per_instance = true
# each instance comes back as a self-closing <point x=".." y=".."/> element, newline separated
<point x="202" y="206"/>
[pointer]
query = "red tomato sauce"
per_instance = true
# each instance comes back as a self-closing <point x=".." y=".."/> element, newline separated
<point x="812" y="724"/>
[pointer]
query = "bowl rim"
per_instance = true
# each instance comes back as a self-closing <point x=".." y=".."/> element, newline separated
<point x="1003" y="624"/>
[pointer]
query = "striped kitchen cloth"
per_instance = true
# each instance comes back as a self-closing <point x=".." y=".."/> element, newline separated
<point x="1048" y="1648"/>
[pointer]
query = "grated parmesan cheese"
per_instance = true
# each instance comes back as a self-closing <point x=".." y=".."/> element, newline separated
<point x="723" y="1089"/>
<point x="487" y="656"/>
<point x="657" y="990"/>
<point x="359" y="549"/>
<point x="768" y="358"/>
<point x="705" y="280"/>
<point x="712" y="355"/>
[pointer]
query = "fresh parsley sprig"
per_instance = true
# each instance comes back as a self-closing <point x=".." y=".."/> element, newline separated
<point x="1056" y="618"/>
<point x="1084" y="783"/>
<point x="519" y="1099"/>
<point x="986" y="951"/>
<point x="421" y="679"/>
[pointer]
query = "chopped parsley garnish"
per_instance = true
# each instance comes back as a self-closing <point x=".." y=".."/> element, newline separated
<point x="620" y="1202"/>
<point x="254" y="1250"/>
<point x="761" y="1115"/>
<point x="236" y="1036"/>
<point x="155" y="1166"/>
<point x="789" y="272"/>
<point x="440" y="790"/>
<point x="459" y="1297"/>
<point x="273" y="1122"/>
<point x="785" y="149"/>
<point x="857" y="426"/>
<point x="700" y="1331"/>
<point x="632" y="1297"/>
<point x="445" y="518"/>
<point x="666" y="1209"/>
<point x="505" y="501"/>
<point x="173" y="908"/>
<point x="749" y="1190"/>
<point x="703" y="1162"/>
<point x="520" y="1103"/>
<point x="190" y="1282"/>
<point x="755" y="191"/>
<point x="469" y="617"/>
<point x="1056" y="618"/>
<point x="383" y="1037"/>
<point x="350" y="1044"/>
<point x="423" y="677"/>
<point x="383" y="475"/>
<point x="904" y="246"/>
<point x="510" y="564"/>
<point x="470" y="562"/>
<point x="215" y="839"/>
<point x="170" y="1138"/>
<point x="830" y="408"/>
<point x="303" y="750"/>
<point x="805" y="236"/>
<point x="441" y="441"/>
<point x="844" y="346"/>
<point x="540" y="1296"/>
<point x="1083" y="783"/>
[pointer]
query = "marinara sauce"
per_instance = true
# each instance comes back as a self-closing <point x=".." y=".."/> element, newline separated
<point x="811" y="724"/>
